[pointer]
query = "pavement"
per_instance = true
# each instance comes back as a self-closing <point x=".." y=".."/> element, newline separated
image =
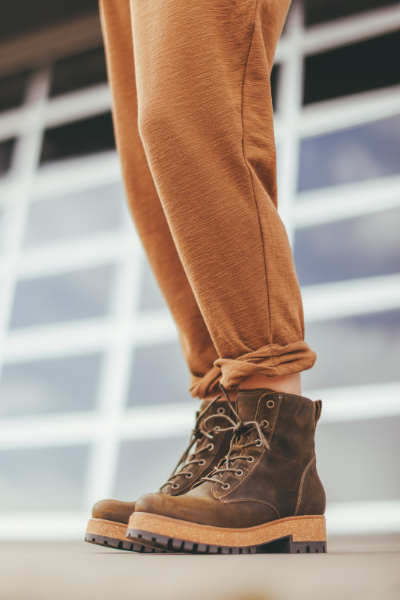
<point x="360" y="568"/>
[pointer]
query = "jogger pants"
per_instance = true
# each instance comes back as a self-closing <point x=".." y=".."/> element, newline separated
<point x="193" y="118"/>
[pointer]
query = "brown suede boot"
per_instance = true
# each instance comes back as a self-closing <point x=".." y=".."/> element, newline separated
<point x="212" y="436"/>
<point x="266" y="495"/>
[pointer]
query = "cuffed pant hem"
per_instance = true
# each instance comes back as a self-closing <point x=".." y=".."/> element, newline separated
<point x="270" y="360"/>
<point x="201" y="386"/>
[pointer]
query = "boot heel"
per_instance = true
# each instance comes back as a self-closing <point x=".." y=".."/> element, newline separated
<point x="286" y="545"/>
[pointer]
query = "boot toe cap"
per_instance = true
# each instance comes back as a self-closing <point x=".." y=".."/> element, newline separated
<point x="113" y="510"/>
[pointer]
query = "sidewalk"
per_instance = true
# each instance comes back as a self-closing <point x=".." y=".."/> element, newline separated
<point x="355" y="568"/>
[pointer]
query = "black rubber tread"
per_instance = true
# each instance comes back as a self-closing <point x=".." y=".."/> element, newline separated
<point x="284" y="545"/>
<point x="101" y="540"/>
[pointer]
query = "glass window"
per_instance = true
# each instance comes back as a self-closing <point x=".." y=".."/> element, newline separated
<point x="159" y="376"/>
<point x="75" y="215"/>
<point x="43" y="479"/>
<point x="67" y="297"/>
<point x="357" y="154"/>
<point x="364" y="246"/>
<point x="12" y="91"/>
<point x="6" y="152"/>
<point x="65" y="384"/>
<point x="349" y="453"/>
<point x="317" y="11"/>
<point x="354" y="351"/>
<point x="360" y="67"/>
<point x="21" y="17"/>
<point x="274" y="85"/>
<point x="145" y="465"/>
<point x="151" y="296"/>
<point x="78" y="71"/>
<point x="87" y="136"/>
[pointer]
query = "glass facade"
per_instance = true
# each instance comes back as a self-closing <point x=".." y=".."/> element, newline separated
<point x="93" y="385"/>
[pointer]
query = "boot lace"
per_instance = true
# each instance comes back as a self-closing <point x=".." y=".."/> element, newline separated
<point x="240" y="430"/>
<point x="198" y="436"/>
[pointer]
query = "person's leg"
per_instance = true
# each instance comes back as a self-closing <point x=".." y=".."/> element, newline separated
<point x="144" y="203"/>
<point x="207" y="447"/>
<point x="206" y="122"/>
<point x="205" y="118"/>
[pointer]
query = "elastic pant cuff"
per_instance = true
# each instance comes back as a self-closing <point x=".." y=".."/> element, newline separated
<point x="201" y="386"/>
<point x="270" y="360"/>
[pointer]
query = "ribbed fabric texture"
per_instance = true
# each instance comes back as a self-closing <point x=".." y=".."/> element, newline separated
<point x="194" y="128"/>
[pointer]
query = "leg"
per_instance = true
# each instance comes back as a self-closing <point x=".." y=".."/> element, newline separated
<point x="206" y="447"/>
<point x="144" y="203"/>
<point x="205" y="118"/>
<point x="203" y="88"/>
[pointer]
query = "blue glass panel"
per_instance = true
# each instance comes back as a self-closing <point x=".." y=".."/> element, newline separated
<point x="349" y="453"/>
<point x="6" y="152"/>
<point x="75" y="215"/>
<point x="43" y="479"/>
<point x="67" y="297"/>
<point x="145" y="465"/>
<point x="150" y="296"/>
<point x="159" y="376"/>
<point x="50" y="386"/>
<point x="357" y="154"/>
<point x="364" y="246"/>
<point x="354" y="351"/>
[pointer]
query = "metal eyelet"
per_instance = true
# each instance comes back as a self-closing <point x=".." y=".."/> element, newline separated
<point x="189" y="475"/>
<point x="258" y="443"/>
<point x="202" y="462"/>
<point x="239" y="473"/>
<point x="264" y="423"/>
<point x="175" y="486"/>
<point x="221" y="411"/>
<point x="226" y="486"/>
<point x="210" y="447"/>
<point x="270" y="404"/>
<point x="250" y="459"/>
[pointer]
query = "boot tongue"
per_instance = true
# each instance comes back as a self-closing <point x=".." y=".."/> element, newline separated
<point x="247" y="402"/>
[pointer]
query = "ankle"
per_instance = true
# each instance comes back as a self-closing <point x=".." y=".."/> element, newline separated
<point x="232" y="393"/>
<point x="288" y="384"/>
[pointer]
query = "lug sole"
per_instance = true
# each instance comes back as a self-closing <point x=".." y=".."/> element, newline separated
<point x="292" y="535"/>
<point x="113" y="535"/>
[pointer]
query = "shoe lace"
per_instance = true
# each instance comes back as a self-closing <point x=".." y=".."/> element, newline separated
<point x="198" y="436"/>
<point x="240" y="430"/>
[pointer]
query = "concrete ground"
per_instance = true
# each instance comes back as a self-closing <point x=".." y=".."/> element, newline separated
<point x="362" y="568"/>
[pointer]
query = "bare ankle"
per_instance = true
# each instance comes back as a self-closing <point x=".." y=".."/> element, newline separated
<point x="289" y="384"/>
<point x="232" y="392"/>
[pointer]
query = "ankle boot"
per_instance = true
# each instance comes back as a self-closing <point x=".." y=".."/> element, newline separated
<point x="211" y="439"/>
<point x="265" y="496"/>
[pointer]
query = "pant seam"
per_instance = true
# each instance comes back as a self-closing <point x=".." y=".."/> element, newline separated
<point x="250" y="174"/>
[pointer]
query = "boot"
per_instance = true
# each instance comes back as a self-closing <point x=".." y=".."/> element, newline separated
<point x="211" y="439"/>
<point x="265" y="496"/>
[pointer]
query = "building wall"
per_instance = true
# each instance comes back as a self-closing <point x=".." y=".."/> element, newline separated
<point x="88" y="406"/>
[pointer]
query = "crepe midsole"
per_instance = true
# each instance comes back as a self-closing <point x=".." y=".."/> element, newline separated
<point x="111" y="529"/>
<point x="310" y="528"/>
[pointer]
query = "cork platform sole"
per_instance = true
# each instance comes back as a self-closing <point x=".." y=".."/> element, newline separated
<point x="294" y="535"/>
<point x="113" y="535"/>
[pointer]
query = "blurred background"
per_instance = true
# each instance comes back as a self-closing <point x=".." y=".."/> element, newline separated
<point x="93" y="388"/>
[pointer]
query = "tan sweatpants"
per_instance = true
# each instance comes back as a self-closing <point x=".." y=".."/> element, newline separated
<point x="193" y="117"/>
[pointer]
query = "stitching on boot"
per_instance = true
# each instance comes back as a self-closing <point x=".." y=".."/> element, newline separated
<point x="303" y="477"/>
<point x="276" y="417"/>
<point x="253" y="500"/>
